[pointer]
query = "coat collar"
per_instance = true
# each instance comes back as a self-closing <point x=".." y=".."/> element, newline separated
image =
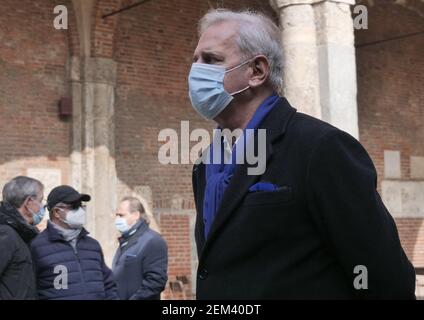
<point x="125" y="244"/>
<point x="10" y="216"/>
<point x="54" y="235"/>
<point x="132" y="237"/>
<point x="275" y="124"/>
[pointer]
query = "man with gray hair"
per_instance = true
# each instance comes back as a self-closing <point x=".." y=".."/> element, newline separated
<point x="141" y="261"/>
<point x="22" y="207"/>
<point x="303" y="227"/>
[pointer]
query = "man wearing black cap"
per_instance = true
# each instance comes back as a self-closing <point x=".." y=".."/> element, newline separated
<point x="69" y="263"/>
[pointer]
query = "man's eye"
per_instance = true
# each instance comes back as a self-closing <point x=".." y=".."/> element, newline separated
<point x="209" y="60"/>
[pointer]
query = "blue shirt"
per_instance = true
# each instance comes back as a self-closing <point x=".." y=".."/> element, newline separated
<point x="218" y="176"/>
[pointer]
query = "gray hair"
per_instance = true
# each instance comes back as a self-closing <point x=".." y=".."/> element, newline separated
<point x="135" y="205"/>
<point x="17" y="190"/>
<point x="258" y="35"/>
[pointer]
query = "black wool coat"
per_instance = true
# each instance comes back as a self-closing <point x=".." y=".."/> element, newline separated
<point x="311" y="237"/>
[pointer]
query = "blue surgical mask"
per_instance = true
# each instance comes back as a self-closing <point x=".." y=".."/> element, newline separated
<point x="38" y="216"/>
<point x="206" y="88"/>
<point x="121" y="225"/>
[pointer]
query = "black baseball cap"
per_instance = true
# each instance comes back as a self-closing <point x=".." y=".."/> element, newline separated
<point x="65" y="194"/>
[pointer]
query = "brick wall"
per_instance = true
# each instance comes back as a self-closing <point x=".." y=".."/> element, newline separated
<point x="411" y="233"/>
<point x="33" y="57"/>
<point x="174" y="228"/>
<point x="103" y="29"/>
<point x="390" y="100"/>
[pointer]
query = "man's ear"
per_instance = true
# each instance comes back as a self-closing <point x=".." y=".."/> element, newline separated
<point x="24" y="207"/>
<point x="260" y="71"/>
<point x="137" y="215"/>
<point x="56" y="214"/>
<point x="27" y="200"/>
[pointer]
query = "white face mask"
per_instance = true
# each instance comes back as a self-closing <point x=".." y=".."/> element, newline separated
<point x="75" y="219"/>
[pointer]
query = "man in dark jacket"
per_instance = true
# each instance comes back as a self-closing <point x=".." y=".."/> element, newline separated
<point x="310" y="224"/>
<point x="141" y="261"/>
<point x="70" y="264"/>
<point x="22" y="200"/>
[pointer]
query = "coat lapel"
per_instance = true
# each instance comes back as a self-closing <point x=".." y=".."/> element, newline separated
<point x="199" y="185"/>
<point x="275" y="124"/>
<point x="132" y="240"/>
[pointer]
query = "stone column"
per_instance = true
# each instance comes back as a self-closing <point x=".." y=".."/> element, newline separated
<point x="92" y="159"/>
<point x="93" y="82"/>
<point x="300" y="74"/>
<point x="319" y="56"/>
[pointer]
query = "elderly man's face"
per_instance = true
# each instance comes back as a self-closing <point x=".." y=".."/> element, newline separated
<point x="217" y="46"/>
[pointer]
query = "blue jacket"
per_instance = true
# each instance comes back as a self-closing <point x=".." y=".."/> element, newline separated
<point x="140" y="264"/>
<point x="84" y="271"/>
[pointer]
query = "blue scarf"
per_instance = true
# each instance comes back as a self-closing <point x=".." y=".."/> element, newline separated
<point x="218" y="176"/>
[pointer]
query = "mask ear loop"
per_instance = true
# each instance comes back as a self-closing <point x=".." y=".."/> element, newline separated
<point x="240" y="91"/>
<point x="236" y="67"/>
<point x="240" y="65"/>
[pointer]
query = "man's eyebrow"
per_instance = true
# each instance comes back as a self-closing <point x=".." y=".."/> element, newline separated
<point x="209" y="54"/>
<point x="212" y="54"/>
